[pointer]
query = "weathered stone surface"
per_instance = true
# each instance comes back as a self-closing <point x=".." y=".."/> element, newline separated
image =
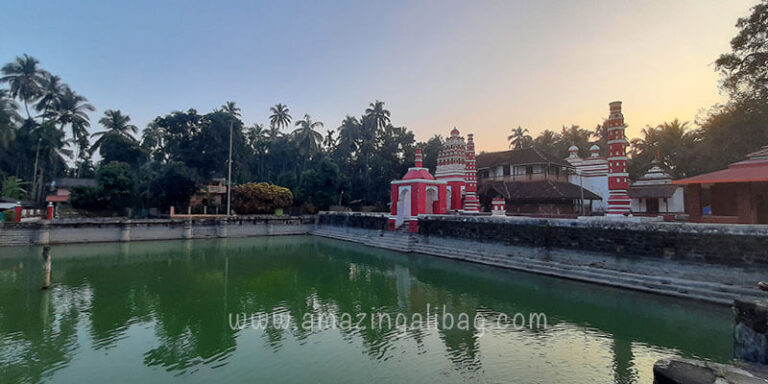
<point x="363" y="220"/>
<point x="736" y="245"/>
<point x="750" y="333"/>
<point x="682" y="371"/>
<point x="709" y="243"/>
<point x="93" y="230"/>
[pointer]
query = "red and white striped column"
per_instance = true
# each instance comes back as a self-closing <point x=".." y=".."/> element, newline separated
<point x="471" y="203"/>
<point x="618" y="178"/>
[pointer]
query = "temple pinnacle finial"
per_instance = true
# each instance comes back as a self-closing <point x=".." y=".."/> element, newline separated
<point x="418" y="158"/>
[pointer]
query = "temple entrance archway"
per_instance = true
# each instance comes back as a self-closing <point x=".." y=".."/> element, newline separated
<point x="431" y="200"/>
<point x="403" y="206"/>
<point x="652" y="205"/>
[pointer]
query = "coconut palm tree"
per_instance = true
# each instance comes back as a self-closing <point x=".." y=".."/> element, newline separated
<point x="9" y="117"/>
<point x="547" y="141"/>
<point x="25" y="79"/>
<point x="71" y="109"/>
<point x="519" y="138"/>
<point x="280" y="117"/>
<point x="256" y="135"/>
<point x="672" y="143"/>
<point x="306" y="136"/>
<point x="329" y="141"/>
<point x="51" y="145"/>
<point x="231" y="108"/>
<point x="378" y="114"/>
<point x="51" y="91"/>
<point x="114" y="121"/>
<point x="575" y="135"/>
<point x="349" y="134"/>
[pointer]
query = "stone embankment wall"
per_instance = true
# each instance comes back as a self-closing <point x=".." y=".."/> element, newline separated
<point x="111" y="230"/>
<point x="372" y="221"/>
<point x="708" y="243"/>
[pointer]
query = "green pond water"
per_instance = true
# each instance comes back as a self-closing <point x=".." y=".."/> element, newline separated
<point x="159" y="312"/>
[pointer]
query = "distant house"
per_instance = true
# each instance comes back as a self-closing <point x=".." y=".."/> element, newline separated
<point x="211" y="195"/>
<point x="530" y="181"/>
<point x="9" y="203"/>
<point x="61" y="188"/>
<point x="737" y="194"/>
<point x="654" y="193"/>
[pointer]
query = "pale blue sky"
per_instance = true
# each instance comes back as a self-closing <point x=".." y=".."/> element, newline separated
<point x="483" y="66"/>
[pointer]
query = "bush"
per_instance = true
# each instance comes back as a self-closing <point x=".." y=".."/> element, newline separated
<point x="88" y="198"/>
<point x="115" y="190"/>
<point x="260" y="198"/>
<point x="9" y="216"/>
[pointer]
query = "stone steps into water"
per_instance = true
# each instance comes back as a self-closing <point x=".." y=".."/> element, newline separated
<point x="14" y="239"/>
<point x="665" y="285"/>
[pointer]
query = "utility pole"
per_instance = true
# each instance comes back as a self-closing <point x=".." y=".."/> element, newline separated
<point x="34" y="172"/>
<point x="581" y="185"/>
<point x="229" y="174"/>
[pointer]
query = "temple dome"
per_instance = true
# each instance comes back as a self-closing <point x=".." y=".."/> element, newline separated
<point x="417" y="173"/>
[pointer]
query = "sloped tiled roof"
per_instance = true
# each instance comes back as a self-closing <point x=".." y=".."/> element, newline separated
<point x="753" y="169"/>
<point x="534" y="190"/>
<point x="518" y="156"/>
<point x="652" y="191"/>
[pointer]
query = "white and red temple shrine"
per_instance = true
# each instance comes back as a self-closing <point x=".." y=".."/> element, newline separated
<point x="417" y="193"/>
<point x="453" y="189"/>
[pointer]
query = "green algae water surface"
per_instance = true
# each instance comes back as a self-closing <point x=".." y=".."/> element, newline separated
<point x="162" y="312"/>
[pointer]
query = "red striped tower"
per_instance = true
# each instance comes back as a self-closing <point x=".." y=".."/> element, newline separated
<point x="618" y="178"/>
<point x="471" y="203"/>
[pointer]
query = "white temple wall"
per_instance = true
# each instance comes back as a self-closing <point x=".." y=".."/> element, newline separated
<point x="596" y="184"/>
<point x="677" y="202"/>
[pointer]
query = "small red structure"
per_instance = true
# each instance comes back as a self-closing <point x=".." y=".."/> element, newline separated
<point x="17" y="210"/>
<point x="735" y="195"/>
<point x="499" y="207"/>
<point x="417" y="193"/>
<point x="619" y="202"/>
<point x="49" y="215"/>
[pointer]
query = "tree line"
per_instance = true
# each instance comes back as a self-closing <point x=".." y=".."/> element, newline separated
<point x="44" y="134"/>
<point x="44" y="129"/>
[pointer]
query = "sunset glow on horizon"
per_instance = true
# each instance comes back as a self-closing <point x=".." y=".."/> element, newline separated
<point x="483" y="67"/>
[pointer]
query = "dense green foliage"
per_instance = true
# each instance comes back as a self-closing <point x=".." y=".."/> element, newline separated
<point x="115" y="191"/>
<point x="14" y="188"/>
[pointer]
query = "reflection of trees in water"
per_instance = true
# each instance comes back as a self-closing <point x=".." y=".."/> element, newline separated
<point x="624" y="370"/>
<point x="188" y="289"/>
<point x="37" y="328"/>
